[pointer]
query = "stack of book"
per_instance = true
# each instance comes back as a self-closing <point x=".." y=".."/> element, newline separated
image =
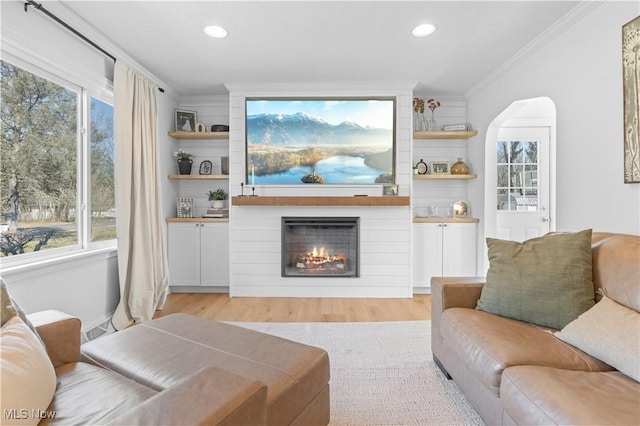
<point x="216" y="213"/>
<point x="454" y="127"/>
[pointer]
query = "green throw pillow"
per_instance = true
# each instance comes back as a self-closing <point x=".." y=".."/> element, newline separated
<point x="545" y="281"/>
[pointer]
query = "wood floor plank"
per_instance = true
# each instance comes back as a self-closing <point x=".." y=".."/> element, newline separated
<point x="220" y="306"/>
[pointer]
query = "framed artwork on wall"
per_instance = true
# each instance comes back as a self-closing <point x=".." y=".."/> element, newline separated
<point x="186" y="120"/>
<point x="631" y="86"/>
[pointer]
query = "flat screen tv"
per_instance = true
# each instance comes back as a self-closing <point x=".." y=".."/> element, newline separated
<point x="297" y="141"/>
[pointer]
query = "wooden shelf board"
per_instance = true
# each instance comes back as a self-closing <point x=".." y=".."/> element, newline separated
<point x="445" y="177"/>
<point x="199" y="135"/>
<point x="197" y="219"/>
<point x="454" y="134"/>
<point x="199" y="177"/>
<point x="437" y="219"/>
<point x="321" y="201"/>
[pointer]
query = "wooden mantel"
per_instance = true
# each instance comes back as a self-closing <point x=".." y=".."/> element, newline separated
<point x="391" y="200"/>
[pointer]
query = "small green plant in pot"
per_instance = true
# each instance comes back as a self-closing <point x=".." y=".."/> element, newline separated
<point x="218" y="197"/>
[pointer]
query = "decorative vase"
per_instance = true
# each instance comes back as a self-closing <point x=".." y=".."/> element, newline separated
<point x="184" y="165"/>
<point x="459" y="168"/>
<point x="218" y="204"/>
<point x="432" y="124"/>
<point x="419" y="123"/>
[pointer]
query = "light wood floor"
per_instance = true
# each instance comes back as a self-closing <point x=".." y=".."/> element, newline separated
<point x="271" y="309"/>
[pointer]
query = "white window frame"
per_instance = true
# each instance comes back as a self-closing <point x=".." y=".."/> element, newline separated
<point x="83" y="173"/>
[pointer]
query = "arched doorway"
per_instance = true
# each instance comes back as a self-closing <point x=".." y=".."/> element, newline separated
<point x="520" y="178"/>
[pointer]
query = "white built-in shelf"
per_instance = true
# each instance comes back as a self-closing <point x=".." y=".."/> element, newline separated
<point x="199" y="135"/>
<point x="438" y="219"/>
<point x="453" y="134"/>
<point x="198" y="219"/>
<point x="445" y="177"/>
<point x="199" y="177"/>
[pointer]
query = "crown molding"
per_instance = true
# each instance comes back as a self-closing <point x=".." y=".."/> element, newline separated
<point x="558" y="28"/>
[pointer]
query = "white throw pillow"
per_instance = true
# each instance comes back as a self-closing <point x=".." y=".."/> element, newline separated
<point x="610" y="332"/>
<point x="28" y="377"/>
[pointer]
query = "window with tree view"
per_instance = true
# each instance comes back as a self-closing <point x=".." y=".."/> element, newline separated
<point x="47" y="201"/>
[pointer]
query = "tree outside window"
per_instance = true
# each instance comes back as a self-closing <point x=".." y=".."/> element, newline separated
<point x="40" y="165"/>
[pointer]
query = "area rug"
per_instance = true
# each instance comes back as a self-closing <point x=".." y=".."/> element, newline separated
<point x="382" y="373"/>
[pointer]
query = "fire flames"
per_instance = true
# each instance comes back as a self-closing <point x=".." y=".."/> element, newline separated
<point x="319" y="258"/>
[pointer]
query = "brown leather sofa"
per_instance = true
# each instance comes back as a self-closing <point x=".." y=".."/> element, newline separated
<point x="513" y="372"/>
<point x="183" y="370"/>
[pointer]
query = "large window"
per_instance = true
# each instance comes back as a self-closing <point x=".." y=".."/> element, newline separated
<point x="56" y="172"/>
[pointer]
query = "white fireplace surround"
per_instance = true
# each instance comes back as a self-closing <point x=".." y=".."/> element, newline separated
<point x="385" y="231"/>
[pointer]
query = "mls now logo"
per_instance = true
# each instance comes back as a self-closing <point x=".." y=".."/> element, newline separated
<point x="23" y="414"/>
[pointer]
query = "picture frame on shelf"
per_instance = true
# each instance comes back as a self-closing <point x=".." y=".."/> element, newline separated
<point x="205" y="167"/>
<point x="185" y="120"/>
<point x="390" y="189"/>
<point x="185" y="207"/>
<point x="439" y="167"/>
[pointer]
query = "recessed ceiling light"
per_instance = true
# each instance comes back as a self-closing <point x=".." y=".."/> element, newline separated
<point x="215" y="31"/>
<point x="423" y="30"/>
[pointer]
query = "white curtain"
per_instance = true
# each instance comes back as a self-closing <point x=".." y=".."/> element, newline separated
<point x="142" y="264"/>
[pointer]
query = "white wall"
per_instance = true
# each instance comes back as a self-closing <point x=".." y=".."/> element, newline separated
<point x="581" y="71"/>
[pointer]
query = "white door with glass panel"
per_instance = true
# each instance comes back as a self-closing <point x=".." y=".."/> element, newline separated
<point x="522" y="182"/>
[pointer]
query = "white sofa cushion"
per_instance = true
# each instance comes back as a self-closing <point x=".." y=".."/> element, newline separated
<point x="28" y="377"/>
<point x="610" y="332"/>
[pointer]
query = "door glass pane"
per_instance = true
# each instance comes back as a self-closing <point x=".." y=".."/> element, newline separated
<point x="38" y="165"/>
<point x="503" y="175"/>
<point x="516" y="175"/>
<point x="531" y="152"/>
<point x="502" y="152"/>
<point x="503" y="199"/>
<point x="103" y="202"/>
<point x="515" y="152"/>
<point x="531" y="176"/>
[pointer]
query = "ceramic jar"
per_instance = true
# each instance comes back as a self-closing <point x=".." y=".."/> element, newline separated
<point x="459" y="168"/>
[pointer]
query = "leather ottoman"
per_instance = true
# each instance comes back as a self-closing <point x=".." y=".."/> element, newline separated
<point x="160" y="353"/>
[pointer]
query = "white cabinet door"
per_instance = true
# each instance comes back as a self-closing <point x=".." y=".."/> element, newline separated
<point x="184" y="254"/>
<point x="458" y="249"/>
<point x="427" y="253"/>
<point x="214" y="246"/>
<point x="443" y="249"/>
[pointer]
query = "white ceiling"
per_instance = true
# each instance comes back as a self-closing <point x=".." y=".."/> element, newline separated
<point x="321" y="41"/>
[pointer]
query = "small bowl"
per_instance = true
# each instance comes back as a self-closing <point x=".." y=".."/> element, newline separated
<point x="219" y="128"/>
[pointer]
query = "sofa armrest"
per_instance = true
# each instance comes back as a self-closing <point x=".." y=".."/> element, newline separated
<point x="210" y="396"/>
<point x="451" y="292"/>
<point x="455" y="292"/>
<point x="60" y="333"/>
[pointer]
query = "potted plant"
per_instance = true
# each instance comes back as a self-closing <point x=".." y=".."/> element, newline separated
<point x="218" y="196"/>
<point x="184" y="161"/>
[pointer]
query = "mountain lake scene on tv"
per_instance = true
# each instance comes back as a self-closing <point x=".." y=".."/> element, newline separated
<point x="319" y="141"/>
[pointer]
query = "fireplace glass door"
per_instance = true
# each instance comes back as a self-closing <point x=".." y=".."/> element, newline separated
<point x="320" y="247"/>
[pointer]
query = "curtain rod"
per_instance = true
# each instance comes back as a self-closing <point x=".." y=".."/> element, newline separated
<point x="40" y="7"/>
